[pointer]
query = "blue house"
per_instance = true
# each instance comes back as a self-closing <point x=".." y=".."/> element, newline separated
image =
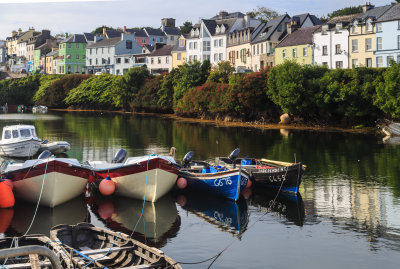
<point x="387" y="37"/>
<point x="155" y="35"/>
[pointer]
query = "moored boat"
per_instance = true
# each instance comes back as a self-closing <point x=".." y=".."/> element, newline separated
<point x="221" y="181"/>
<point x="144" y="177"/>
<point x="92" y="247"/>
<point x="47" y="180"/>
<point x="19" y="141"/>
<point x="39" y="109"/>
<point x="56" y="147"/>
<point x="392" y="129"/>
<point x="278" y="175"/>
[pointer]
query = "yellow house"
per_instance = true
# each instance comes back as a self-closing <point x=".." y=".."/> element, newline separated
<point x="17" y="37"/>
<point x="50" y="58"/>
<point x="297" y="46"/>
<point x="362" y="43"/>
<point x="239" y="48"/>
<point x="179" y="53"/>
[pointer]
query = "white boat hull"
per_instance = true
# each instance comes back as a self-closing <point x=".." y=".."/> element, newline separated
<point x="20" y="149"/>
<point x="56" y="147"/>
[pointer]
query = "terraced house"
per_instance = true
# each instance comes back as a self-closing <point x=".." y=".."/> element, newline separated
<point x="72" y="54"/>
<point x="387" y="29"/>
<point x="362" y="43"/>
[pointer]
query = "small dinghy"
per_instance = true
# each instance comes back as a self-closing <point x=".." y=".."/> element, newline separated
<point x="56" y="147"/>
<point x="217" y="180"/>
<point x="92" y="247"/>
<point x="31" y="251"/>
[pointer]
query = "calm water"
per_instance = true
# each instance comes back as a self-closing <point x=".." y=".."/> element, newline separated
<point x="347" y="216"/>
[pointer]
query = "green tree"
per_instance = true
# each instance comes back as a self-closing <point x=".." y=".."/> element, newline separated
<point x="345" y="11"/>
<point x="166" y="91"/>
<point x="186" y="27"/>
<point x="99" y="30"/>
<point x="263" y="14"/>
<point x="221" y="72"/>
<point x="387" y="91"/>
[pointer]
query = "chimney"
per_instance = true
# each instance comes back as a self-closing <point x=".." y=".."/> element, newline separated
<point x="13" y="33"/>
<point x="124" y="29"/>
<point x="19" y="31"/>
<point x="104" y="31"/>
<point x="223" y="14"/>
<point x="367" y="7"/>
<point x="292" y="25"/>
<point x="168" y="22"/>
<point x="158" y="46"/>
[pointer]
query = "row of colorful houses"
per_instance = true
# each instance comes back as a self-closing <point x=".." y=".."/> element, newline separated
<point x="371" y="38"/>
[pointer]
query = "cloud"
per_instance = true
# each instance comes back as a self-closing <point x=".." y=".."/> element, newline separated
<point x="48" y="1"/>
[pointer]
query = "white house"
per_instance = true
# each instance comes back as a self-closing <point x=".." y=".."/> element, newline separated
<point x="21" y="52"/>
<point x="195" y="52"/>
<point x="331" y="42"/>
<point x="160" y="60"/>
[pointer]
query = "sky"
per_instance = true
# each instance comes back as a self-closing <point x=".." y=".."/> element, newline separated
<point x="78" y="16"/>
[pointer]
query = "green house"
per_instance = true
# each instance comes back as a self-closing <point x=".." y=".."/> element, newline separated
<point x="72" y="55"/>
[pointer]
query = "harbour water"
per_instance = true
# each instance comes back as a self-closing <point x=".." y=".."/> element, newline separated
<point x="346" y="216"/>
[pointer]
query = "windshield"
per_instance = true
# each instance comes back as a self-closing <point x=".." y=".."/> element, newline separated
<point x="25" y="133"/>
<point x="15" y="133"/>
<point x="33" y="132"/>
<point x="7" y="134"/>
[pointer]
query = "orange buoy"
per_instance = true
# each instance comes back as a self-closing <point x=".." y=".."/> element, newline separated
<point x="249" y="183"/>
<point x="6" y="195"/>
<point x="6" y="216"/>
<point x="107" y="186"/>
<point x="181" y="183"/>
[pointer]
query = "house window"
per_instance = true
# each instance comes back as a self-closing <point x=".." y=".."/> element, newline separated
<point x="280" y="28"/>
<point x="389" y="59"/>
<point x="159" y="60"/>
<point x="129" y="44"/>
<point x="83" y="57"/>
<point x="118" y="60"/>
<point x="294" y="53"/>
<point x="206" y="46"/>
<point x="215" y="43"/>
<point x="190" y="45"/>
<point x="379" y="43"/>
<point x="354" y="62"/>
<point x="254" y="50"/>
<point x="283" y="54"/>
<point x="368" y="44"/>
<point x="179" y="56"/>
<point x="154" y="39"/>
<point x="305" y="51"/>
<point x="262" y="48"/>
<point x="167" y="60"/>
<point x="144" y="40"/>
<point x="369" y="26"/>
<point x="221" y="56"/>
<point x="354" y="45"/>
<point x="90" y="51"/>
<point x="126" y="60"/>
<point x="172" y="38"/>
<point x="339" y="64"/>
<point x="97" y="61"/>
<point x="379" y="61"/>
<point x="398" y="42"/>
<point x="195" y="58"/>
<point x="337" y="49"/>
<point x="221" y="42"/>
<point x="258" y="49"/>
<point x="152" y="60"/>
<point x="215" y="57"/>
<point x="194" y="45"/>
<point x="324" y="50"/>
<point x="354" y="29"/>
<point x="108" y="60"/>
<point x="379" y="27"/>
<point x="368" y="62"/>
<point x="77" y="45"/>
<point x="90" y="61"/>
<point x="69" y="45"/>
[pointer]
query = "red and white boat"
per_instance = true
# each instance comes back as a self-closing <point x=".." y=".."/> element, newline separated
<point x="53" y="180"/>
<point x="145" y="177"/>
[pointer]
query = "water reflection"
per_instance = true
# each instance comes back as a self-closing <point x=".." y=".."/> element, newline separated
<point x="159" y="222"/>
<point x="291" y="207"/>
<point x="71" y="212"/>
<point x="228" y="215"/>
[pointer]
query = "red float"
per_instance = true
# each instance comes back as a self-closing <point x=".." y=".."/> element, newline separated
<point x="107" y="186"/>
<point x="7" y="199"/>
<point x="181" y="183"/>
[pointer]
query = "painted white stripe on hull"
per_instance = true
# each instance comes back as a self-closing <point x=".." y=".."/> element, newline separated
<point x="159" y="182"/>
<point x="58" y="188"/>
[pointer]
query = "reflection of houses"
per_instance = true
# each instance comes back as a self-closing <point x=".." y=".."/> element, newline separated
<point x="160" y="60"/>
<point x="101" y="56"/>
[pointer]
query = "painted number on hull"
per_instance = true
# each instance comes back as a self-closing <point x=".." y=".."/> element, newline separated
<point x="219" y="182"/>
<point x="278" y="178"/>
<point x="220" y="218"/>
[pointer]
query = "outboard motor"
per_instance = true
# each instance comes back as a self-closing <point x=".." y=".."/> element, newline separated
<point x="119" y="156"/>
<point x="188" y="157"/>
<point x="44" y="155"/>
<point x="45" y="141"/>
<point x="232" y="157"/>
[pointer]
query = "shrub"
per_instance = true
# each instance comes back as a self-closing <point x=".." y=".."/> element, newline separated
<point x="388" y="91"/>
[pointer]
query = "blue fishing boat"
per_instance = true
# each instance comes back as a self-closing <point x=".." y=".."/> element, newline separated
<point x="226" y="182"/>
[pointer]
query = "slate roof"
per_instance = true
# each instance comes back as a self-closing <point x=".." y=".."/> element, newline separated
<point x="392" y="14"/>
<point x="107" y="42"/>
<point x="302" y="18"/>
<point x="265" y="30"/>
<point x="149" y="47"/>
<point x="373" y="13"/>
<point x="137" y="32"/>
<point x="89" y="37"/>
<point x="172" y="31"/>
<point x="154" y="31"/>
<point x="113" y="33"/>
<point x="164" y="51"/>
<point x="301" y="36"/>
<point x="177" y="48"/>
<point x="229" y="16"/>
<point x="76" y="38"/>
<point x="339" y="19"/>
<point x="53" y="53"/>
<point x="210" y="25"/>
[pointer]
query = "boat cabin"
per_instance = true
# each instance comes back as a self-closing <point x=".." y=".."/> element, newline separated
<point x="18" y="132"/>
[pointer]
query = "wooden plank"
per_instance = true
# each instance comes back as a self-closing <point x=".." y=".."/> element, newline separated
<point x="105" y="250"/>
<point x="34" y="260"/>
<point x="26" y="265"/>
